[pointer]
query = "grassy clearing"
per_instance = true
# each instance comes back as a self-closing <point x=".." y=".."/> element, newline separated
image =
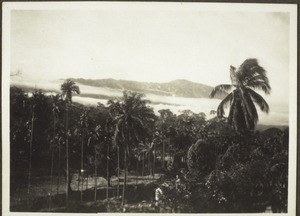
<point x="137" y="191"/>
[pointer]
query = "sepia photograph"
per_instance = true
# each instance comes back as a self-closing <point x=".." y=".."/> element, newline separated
<point x="149" y="107"/>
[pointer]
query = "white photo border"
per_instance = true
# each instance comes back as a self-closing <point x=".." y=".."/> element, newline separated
<point x="263" y="7"/>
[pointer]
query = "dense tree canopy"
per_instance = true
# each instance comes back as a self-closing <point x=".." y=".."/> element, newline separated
<point x="207" y="165"/>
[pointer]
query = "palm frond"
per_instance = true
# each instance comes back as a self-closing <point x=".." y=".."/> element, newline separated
<point x="259" y="100"/>
<point x="255" y="77"/>
<point x="138" y="121"/>
<point x="219" y="89"/>
<point x="249" y="107"/>
<point x="249" y="118"/>
<point x="75" y="89"/>
<point x="260" y="85"/>
<point x="230" y="115"/>
<point x="222" y="105"/>
<point x="248" y="69"/>
<point x="232" y="72"/>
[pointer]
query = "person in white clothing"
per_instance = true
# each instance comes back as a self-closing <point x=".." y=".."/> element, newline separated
<point x="158" y="198"/>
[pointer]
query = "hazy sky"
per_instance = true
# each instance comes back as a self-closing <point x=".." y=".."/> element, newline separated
<point x="149" y="45"/>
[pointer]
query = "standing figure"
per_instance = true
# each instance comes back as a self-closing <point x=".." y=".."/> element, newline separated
<point x="158" y="199"/>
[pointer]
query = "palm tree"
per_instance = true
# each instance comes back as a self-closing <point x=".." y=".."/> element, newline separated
<point x="68" y="88"/>
<point x="96" y="137"/>
<point x="38" y="102"/>
<point x="30" y="151"/>
<point x="60" y="142"/>
<point x="83" y="125"/>
<point x="118" y="170"/>
<point x="147" y="149"/>
<point x="107" y="171"/>
<point x="131" y="116"/>
<point x="55" y="110"/>
<point x="248" y="77"/>
<point x="166" y="120"/>
<point x="93" y="136"/>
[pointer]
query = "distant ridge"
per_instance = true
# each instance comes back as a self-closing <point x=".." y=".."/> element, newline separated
<point x="179" y="88"/>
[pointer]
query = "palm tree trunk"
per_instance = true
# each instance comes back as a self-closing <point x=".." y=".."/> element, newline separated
<point x="81" y="167"/>
<point x="163" y="155"/>
<point x="58" y="176"/>
<point x="168" y="153"/>
<point x="118" y="187"/>
<point x="154" y="158"/>
<point x="52" y="160"/>
<point x="78" y="179"/>
<point x="87" y="181"/>
<point x="125" y="178"/>
<point x="107" y="171"/>
<point x="137" y="172"/>
<point x="67" y="156"/>
<point x="51" y="178"/>
<point x="30" y="157"/>
<point x="149" y="163"/>
<point x="143" y="163"/>
<point x="95" y="163"/>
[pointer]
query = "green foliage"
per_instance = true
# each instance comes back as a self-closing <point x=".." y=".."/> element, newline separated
<point x="176" y="194"/>
<point x="241" y="172"/>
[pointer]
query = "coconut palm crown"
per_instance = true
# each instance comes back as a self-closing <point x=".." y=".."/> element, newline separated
<point x="68" y="88"/>
<point x="250" y="76"/>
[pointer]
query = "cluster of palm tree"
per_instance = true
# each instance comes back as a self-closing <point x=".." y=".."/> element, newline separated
<point x="124" y="134"/>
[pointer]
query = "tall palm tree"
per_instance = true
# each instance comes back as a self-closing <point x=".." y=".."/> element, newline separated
<point x="38" y="102"/>
<point x="68" y="88"/>
<point x="249" y="76"/>
<point x="55" y="110"/>
<point x="107" y="171"/>
<point x="131" y="117"/>
<point x="83" y="126"/>
<point x="30" y="152"/>
<point x="96" y="138"/>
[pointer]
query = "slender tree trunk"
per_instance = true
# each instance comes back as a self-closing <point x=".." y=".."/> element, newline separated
<point x="58" y="176"/>
<point x="168" y="150"/>
<point x="95" y="162"/>
<point x="30" y="158"/>
<point x="51" y="178"/>
<point x="118" y="187"/>
<point x="81" y="167"/>
<point x="67" y="156"/>
<point x="149" y="163"/>
<point x="125" y="178"/>
<point x="87" y="181"/>
<point x="163" y="155"/>
<point x="78" y="179"/>
<point x="107" y="171"/>
<point x="137" y="172"/>
<point x="52" y="161"/>
<point x="154" y="159"/>
<point x="143" y="163"/>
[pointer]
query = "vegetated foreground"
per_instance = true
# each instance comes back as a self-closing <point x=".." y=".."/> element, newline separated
<point x="121" y="157"/>
<point x="140" y="195"/>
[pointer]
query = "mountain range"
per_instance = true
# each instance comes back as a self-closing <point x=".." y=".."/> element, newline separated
<point x="176" y="95"/>
<point x="178" y="88"/>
